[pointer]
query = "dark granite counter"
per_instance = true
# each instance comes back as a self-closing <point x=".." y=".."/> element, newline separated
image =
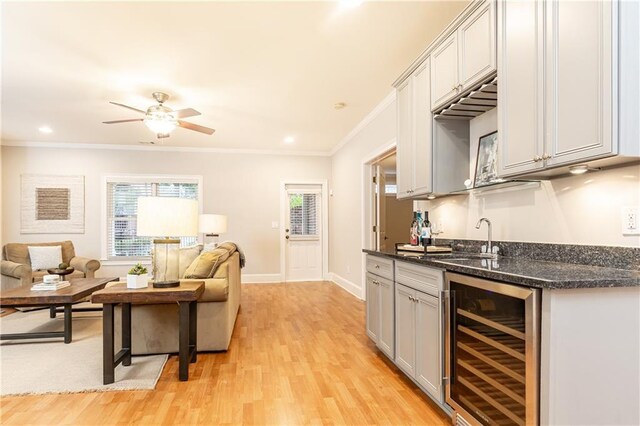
<point x="523" y="271"/>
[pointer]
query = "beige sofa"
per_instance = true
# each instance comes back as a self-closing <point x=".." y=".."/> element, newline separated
<point x="154" y="328"/>
<point x="16" y="264"/>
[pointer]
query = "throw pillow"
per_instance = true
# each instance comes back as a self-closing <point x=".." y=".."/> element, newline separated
<point x="45" y="257"/>
<point x="187" y="256"/>
<point x="205" y="265"/>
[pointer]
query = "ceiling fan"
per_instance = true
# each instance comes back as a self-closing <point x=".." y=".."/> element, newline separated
<point x="161" y="119"/>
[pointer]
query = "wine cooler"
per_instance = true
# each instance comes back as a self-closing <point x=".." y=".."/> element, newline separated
<point x="492" y="351"/>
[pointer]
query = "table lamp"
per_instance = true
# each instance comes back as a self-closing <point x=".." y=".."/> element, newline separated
<point x="212" y="225"/>
<point x="169" y="218"/>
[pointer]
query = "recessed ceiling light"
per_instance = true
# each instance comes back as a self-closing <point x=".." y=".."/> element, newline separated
<point x="339" y="105"/>
<point x="45" y="129"/>
<point x="289" y="139"/>
<point x="350" y="4"/>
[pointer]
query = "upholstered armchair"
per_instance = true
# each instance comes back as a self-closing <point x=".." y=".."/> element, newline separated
<point x="16" y="264"/>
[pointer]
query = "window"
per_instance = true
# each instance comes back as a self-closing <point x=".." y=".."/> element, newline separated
<point x="122" y="210"/>
<point x="303" y="214"/>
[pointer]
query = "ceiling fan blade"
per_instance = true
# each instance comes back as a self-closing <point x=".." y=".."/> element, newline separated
<point x="122" y="121"/>
<point x="195" y="127"/>
<point x="128" y="107"/>
<point x="187" y="112"/>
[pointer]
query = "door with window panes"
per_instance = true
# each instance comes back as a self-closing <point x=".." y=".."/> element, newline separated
<point x="303" y="253"/>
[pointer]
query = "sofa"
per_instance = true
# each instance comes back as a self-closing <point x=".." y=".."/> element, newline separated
<point x="154" y="328"/>
<point x="16" y="264"/>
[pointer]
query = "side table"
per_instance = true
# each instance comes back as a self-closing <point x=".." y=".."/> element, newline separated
<point x="185" y="295"/>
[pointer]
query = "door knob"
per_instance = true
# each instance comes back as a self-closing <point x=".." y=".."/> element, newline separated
<point x="286" y="230"/>
<point x="287" y="237"/>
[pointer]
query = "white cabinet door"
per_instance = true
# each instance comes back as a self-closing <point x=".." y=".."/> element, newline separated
<point x="373" y="307"/>
<point x="444" y="71"/>
<point x="386" y="340"/>
<point x="428" y="349"/>
<point x="404" y="143"/>
<point x="405" y="329"/>
<point x="521" y="84"/>
<point x="423" y="119"/>
<point x="477" y="46"/>
<point x="579" y="80"/>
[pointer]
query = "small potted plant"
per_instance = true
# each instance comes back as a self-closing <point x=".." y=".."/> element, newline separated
<point x="137" y="277"/>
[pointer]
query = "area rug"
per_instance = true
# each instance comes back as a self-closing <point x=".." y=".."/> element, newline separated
<point x="51" y="366"/>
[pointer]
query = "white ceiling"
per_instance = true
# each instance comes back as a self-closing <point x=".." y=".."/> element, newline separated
<point x="257" y="71"/>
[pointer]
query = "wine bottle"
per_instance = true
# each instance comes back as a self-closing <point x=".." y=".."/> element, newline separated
<point x="425" y="235"/>
<point x="413" y="236"/>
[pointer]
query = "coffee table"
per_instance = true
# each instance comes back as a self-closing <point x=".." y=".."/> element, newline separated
<point x="23" y="296"/>
<point x="185" y="295"/>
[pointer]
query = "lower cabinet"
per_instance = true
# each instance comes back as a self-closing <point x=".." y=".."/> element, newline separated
<point x="380" y="313"/>
<point x="418" y="338"/>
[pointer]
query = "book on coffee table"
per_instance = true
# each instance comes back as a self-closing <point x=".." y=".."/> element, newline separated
<point x="41" y="286"/>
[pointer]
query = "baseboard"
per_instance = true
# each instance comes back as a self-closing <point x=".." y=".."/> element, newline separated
<point x="347" y="285"/>
<point x="260" y="278"/>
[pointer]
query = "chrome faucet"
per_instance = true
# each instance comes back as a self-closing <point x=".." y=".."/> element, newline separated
<point x="489" y="253"/>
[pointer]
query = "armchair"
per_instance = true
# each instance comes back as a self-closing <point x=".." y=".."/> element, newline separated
<point x="16" y="264"/>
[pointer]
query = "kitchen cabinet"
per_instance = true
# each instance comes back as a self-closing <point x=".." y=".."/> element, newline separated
<point x="556" y="84"/>
<point x="419" y="326"/>
<point x="380" y="304"/>
<point x="466" y="57"/>
<point x="414" y="171"/>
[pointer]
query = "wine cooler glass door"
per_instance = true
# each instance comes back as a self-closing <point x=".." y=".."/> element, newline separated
<point x="492" y="347"/>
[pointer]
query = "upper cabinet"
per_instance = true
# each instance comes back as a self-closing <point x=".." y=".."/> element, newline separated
<point x="558" y="87"/>
<point x="464" y="58"/>
<point x="414" y="134"/>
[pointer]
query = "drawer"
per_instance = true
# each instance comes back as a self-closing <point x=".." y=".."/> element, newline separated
<point x="380" y="266"/>
<point x="421" y="278"/>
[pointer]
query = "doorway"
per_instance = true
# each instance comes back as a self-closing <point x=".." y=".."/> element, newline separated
<point x="304" y="231"/>
<point x="391" y="217"/>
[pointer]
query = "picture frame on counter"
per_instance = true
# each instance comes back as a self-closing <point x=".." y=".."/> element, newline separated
<point x="487" y="160"/>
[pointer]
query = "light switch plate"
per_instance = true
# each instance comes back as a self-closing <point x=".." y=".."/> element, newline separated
<point x="274" y="225"/>
<point x="630" y="217"/>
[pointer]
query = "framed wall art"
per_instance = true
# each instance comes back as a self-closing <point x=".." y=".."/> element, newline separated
<point x="52" y="204"/>
<point x="487" y="160"/>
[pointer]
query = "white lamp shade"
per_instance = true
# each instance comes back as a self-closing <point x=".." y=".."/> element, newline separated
<point x="213" y="223"/>
<point x="167" y="217"/>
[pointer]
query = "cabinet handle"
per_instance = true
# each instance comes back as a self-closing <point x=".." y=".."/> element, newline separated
<point x="459" y="86"/>
<point x="377" y="266"/>
<point x="537" y="158"/>
<point x="546" y="156"/>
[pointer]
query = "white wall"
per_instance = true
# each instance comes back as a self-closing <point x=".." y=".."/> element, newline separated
<point x="244" y="187"/>
<point x="571" y="210"/>
<point x="346" y="204"/>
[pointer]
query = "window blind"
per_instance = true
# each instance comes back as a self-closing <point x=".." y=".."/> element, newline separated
<point x="122" y="210"/>
<point x="303" y="214"/>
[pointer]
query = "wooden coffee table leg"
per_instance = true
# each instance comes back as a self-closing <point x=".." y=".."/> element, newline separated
<point x="108" y="368"/>
<point x="183" y="344"/>
<point x="126" y="333"/>
<point x="67" y="323"/>
<point x="193" y="331"/>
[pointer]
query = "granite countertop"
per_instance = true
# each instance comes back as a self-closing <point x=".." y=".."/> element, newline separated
<point x="523" y="271"/>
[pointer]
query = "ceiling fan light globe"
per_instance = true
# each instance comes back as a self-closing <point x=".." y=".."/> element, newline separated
<point x="160" y="119"/>
<point x="160" y="126"/>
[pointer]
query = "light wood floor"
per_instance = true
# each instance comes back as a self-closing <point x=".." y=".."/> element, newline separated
<point x="299" y="355"/>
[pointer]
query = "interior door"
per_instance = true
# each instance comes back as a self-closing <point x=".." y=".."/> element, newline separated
<point x="303" y="254"/>
<point x="381" y="217"/>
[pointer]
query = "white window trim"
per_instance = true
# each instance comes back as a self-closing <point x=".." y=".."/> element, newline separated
<point x="129" y="178"/>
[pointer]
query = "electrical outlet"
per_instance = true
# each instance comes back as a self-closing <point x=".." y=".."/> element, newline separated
<point x="630" y="216"/>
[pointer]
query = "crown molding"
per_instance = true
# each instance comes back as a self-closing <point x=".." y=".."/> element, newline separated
<point x="156" y="148"/>
<point x="391" y="97"/>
